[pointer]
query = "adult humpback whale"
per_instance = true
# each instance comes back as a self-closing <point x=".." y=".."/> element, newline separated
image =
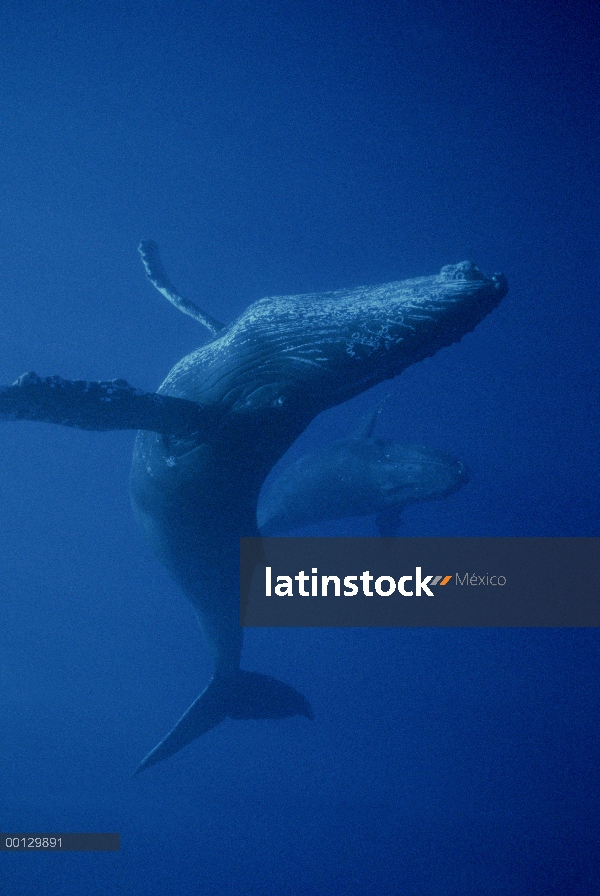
<point x="223" y="417"/>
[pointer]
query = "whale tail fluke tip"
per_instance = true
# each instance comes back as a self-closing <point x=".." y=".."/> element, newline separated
<point x="246" y="695"/>
<point x="257" y="696"/>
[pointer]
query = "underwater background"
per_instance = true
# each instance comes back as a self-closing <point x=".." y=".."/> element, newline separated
<point x="275" y="147"/>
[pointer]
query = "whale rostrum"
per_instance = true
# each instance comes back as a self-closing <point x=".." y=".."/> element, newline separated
<point x="224" y="416"/>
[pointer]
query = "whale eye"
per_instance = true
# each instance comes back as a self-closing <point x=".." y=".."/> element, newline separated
<point x="268" y="396"/>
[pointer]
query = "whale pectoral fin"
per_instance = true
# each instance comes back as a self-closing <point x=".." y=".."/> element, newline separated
<point x="247" y="695"/>
<point x="100" y="406"/>
<point x="367" y="425"/>
<point x="158" y="278"/>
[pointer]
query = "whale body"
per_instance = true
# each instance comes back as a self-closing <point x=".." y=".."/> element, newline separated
<point x="357" y="476"/>
<point x="223" y="417"/>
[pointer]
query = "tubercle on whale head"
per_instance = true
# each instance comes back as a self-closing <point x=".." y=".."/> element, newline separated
<point x="468" y="270"/>
<point x="365" y="335"/>
<point x="464" y="270"/>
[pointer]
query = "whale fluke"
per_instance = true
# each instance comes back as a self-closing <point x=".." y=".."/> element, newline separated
<point x="246" y="695"/>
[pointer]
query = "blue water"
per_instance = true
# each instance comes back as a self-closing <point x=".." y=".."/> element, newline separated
<point x="273" y="147"/>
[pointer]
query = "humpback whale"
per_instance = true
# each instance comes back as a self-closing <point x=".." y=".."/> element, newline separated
<point x="357" y="476"/>
<point x="223" y="417"/>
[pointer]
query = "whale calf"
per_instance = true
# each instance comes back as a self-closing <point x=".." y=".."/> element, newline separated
<point x="222" y="418"/>
<point x="357" y="476"/>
